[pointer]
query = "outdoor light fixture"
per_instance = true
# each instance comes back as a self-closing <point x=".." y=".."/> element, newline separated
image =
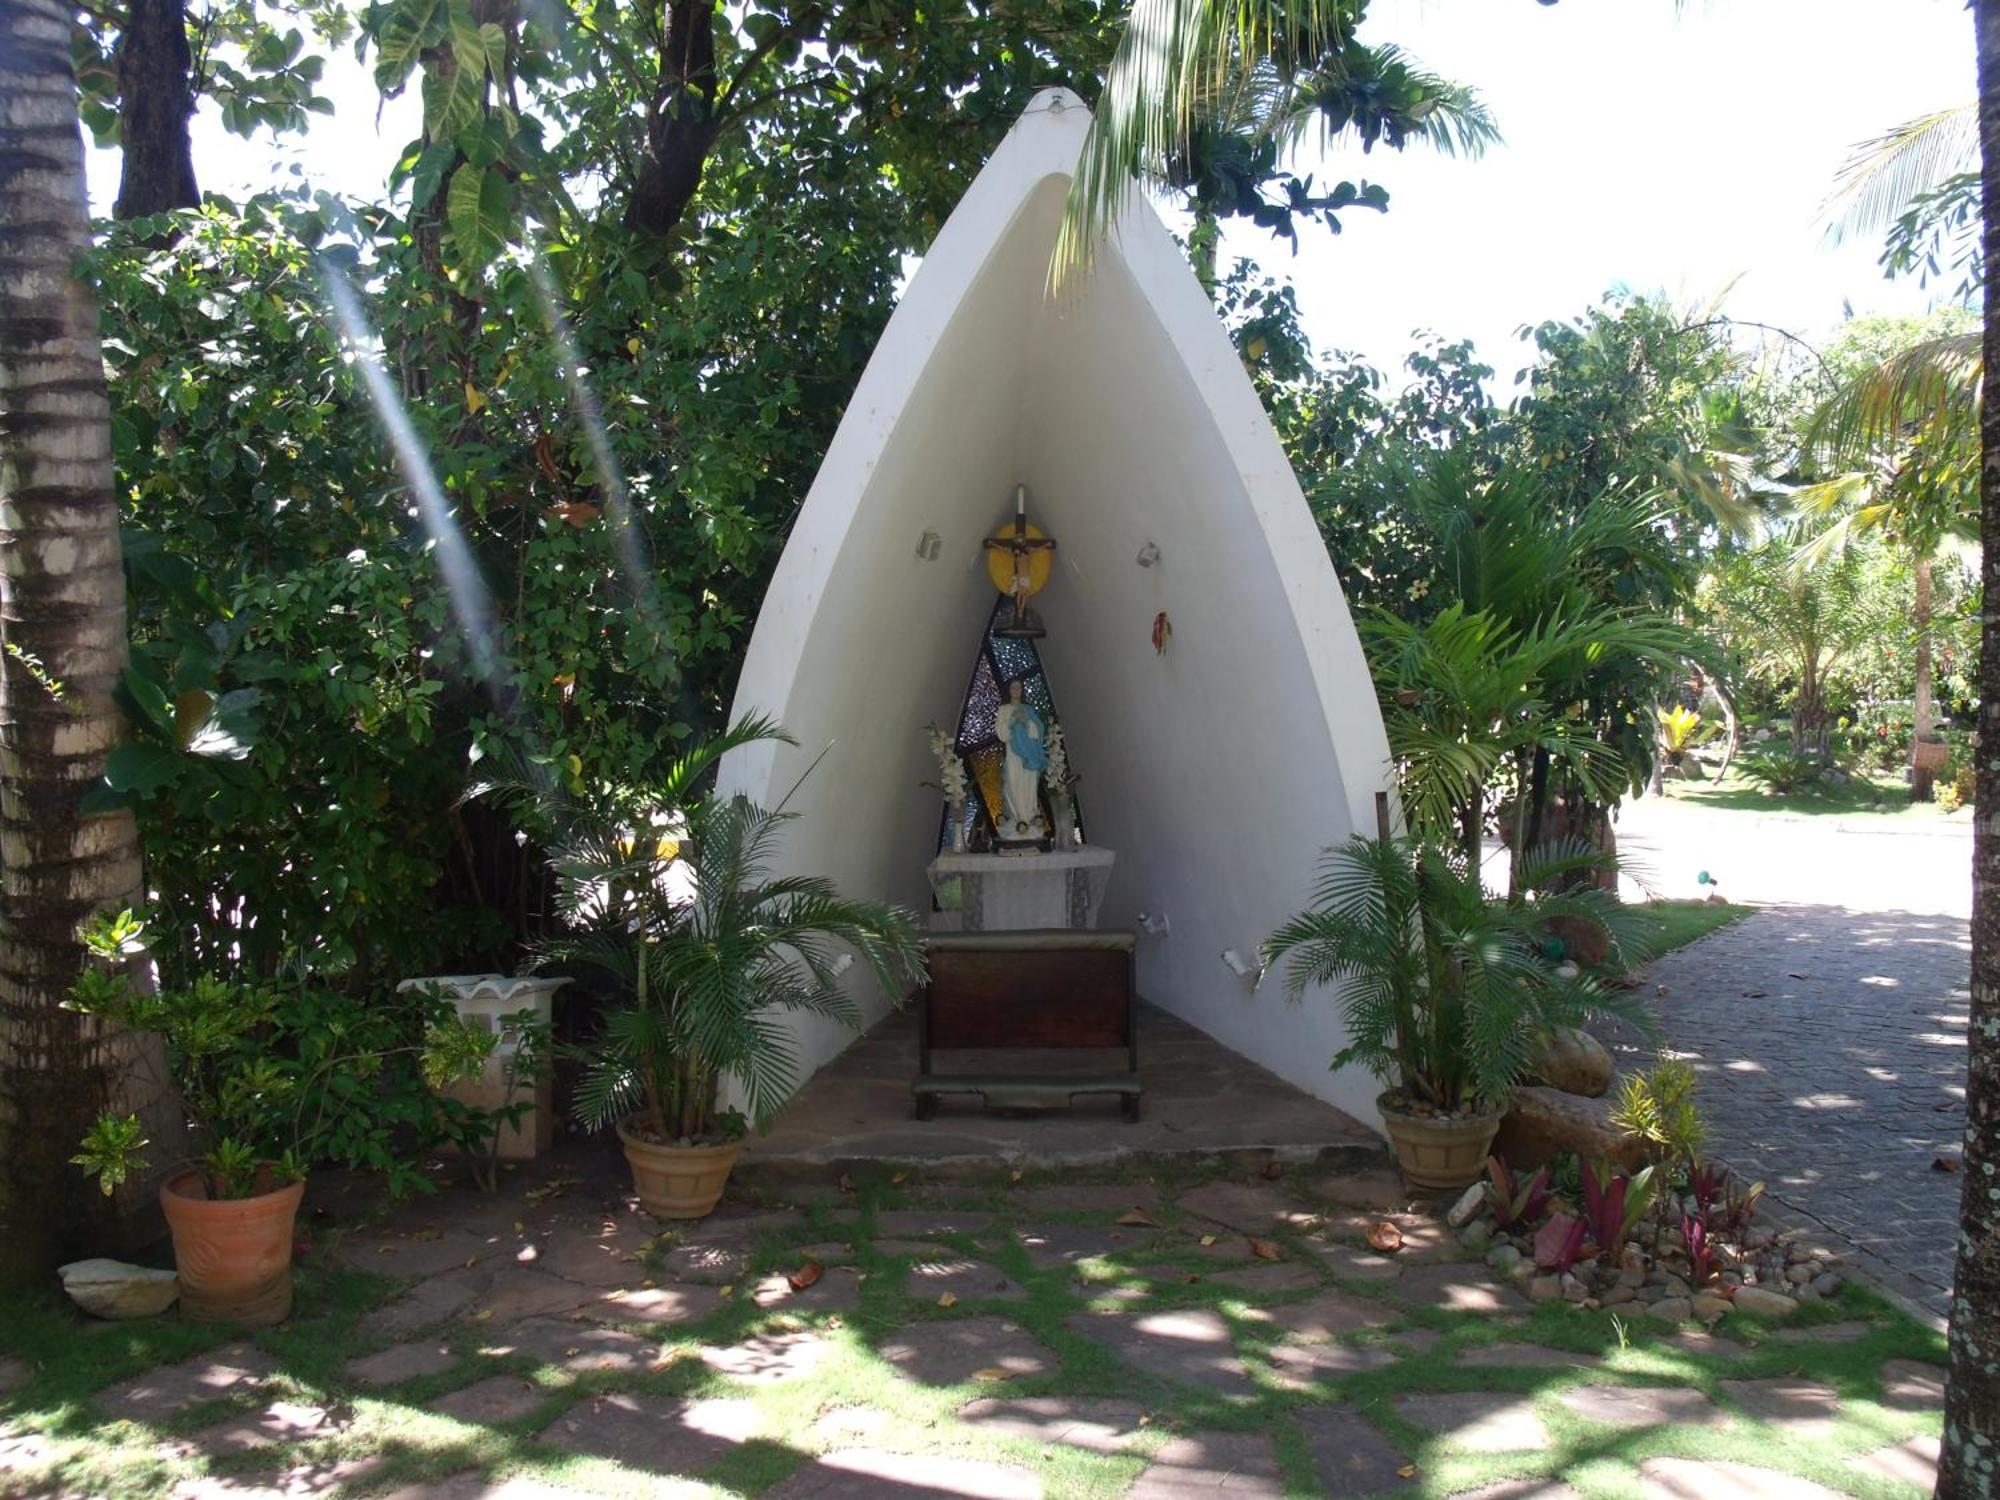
<point x="1154" y="923"/>
<point x="842" y="964"/>
<point x="1148" y="555"/>
<point x="1242" y="968"/>
<point x="929" y="545"/>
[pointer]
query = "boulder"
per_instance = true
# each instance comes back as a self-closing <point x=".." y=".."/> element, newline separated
<point x="1760" y="1303"/>
<point x="1545" y="1123"/>
<point x="113" y="1289"/>
<point x="1575" y="1062"/>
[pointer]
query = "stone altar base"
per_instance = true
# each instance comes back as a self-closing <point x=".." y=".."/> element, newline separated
<point x="1012" y="892"/>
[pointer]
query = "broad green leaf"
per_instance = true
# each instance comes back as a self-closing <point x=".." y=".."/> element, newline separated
<point x="451" y="104"/>
<point x="468" y="47"/>
<point x="494" y="41"/>
<point x="477" y="207"/>
<point x="405" y="34"/>
<point x="140" y="768"/>
<point x="427" y="175"/>
<point x="191" y="713"/>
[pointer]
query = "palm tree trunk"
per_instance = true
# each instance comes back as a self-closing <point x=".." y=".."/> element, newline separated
<point x="62" y="627"/>
<point x="1924" y="712"/>
<point x="1969" y="1459"/>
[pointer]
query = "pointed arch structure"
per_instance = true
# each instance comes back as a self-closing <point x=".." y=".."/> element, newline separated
<point x="1218" y="768"/>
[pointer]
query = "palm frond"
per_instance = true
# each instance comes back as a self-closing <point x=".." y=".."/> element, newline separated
<point x="1881" y="177"/>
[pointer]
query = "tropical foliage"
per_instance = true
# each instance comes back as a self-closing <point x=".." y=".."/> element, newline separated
<point x="1445" y="991"/>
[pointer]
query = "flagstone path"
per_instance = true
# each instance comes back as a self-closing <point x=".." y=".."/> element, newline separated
<point x="1181" y="1334"/>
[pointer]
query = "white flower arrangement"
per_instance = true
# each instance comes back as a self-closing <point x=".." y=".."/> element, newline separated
<point x="951" y="770"/>
<point x="1057" y="769"/>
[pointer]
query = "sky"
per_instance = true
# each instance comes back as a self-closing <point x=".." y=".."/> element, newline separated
<point x="1684" y="149"/>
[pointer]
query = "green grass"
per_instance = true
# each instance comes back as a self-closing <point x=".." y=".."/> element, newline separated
<point x="1675" y="924"/>
<point x="416" y="1445"/>
<point x="1870" y="795"/>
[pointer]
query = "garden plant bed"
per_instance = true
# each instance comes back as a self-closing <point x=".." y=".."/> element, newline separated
<point x="1097" y="1333"/>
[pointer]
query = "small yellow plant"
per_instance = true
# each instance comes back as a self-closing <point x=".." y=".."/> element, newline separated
<point x="1681" y="730"/>
<point x="1658" y="1107"/>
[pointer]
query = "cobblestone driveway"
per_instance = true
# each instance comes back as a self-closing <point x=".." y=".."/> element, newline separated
<point x="1832" y="1050"/>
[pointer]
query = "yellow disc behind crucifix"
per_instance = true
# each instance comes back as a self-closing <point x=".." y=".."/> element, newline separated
<point x="1000" y="561"/>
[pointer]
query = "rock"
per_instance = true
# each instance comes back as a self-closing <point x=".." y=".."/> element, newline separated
<point x="1826" y="1283"/>
<point x="1503" y="1257"/>
<point x="1545" y="1123"/>
<point x="1545" y="1289"/>
<point x="1708" y="1307"/>
<point x="1799" y="1274"/>
<point x="1760" y="1303"/>
<point x="1618" y="1295"/>
<point x="1476" y="1237"/>
<point x="1583" y="940"/>
<point x="1575" y="1062"/>
<point x="113" y="1289"/>
<point x="1672" y="1310"/>
<point x="1573" y="1289"/>
<point x="1677" y="1287"/>
<point x="1467" y="1208"/>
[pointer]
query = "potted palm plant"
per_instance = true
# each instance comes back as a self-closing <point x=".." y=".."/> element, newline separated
<point x="1446" y="991"/>
<point x="667" y="888"/>
<point x="269" y="1078"/>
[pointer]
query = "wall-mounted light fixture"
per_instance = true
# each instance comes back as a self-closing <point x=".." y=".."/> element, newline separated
<point x="1242" y="968"/>
<point x="929" y="545"/>
<point x="1148" y="555"/>
<point x="1154" y="923"/>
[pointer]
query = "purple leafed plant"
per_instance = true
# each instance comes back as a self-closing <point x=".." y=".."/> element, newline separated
<point x="1707" y="1183"/>
<point x="1613" y="1203"/>
<point x="1560" y="1242"/>
<point x="1514" y="1203"/>
<point x="1701" y="1253"/>
<point x="1738" y="1209"/>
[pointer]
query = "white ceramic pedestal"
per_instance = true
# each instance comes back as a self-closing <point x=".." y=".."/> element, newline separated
<point x="484" y="1001"/>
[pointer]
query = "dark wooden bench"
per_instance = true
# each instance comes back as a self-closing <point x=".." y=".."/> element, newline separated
<point x="1030" y="990"/>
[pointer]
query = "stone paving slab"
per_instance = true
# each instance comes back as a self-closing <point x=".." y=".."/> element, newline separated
<point x="1112" y="1198"/>
<point x="597" y="1255"/>
<point x="169" y="1390"/>
<point x="423" y="1252"/>
<point x="1354" y="1263"/>
<point x="837" y="1290"/>
<point x="1241" y="1465"/>
<point x="400" y="1362"/>
<point x="1050" y="1246"/>
<point x="913" y="1221"/>
<point x="660" y="1306"/>
<point x="518" y="1292"/>
<point x="1328" y="1315"/>
<point x="1643" y="1406"/>
<point x="576" y="1347"/>
<point x="659" y="1433"/>
<point x="1913" y="1462"/>
<point x="1477" y="1421"/>
<point x="768" y="1358"/>
<point x="1349" y="1455"/>
<point x="432" y="1301"/>
<point x="955" y="1351"/>
<point x="871" y="1474"/>
<point x="1267" y="1278"/>
<point x="1299" y="1366"/>
<point x="1911" y="1385"/>
<point x="1802" y="1408"/>
<point x="496" y="1399"/>
<point x="1097" y="1424"/>
<point x="1247" y="1207"/>
<point x="1458" y="1288"/>
<point x="280" y="1422"/>
<point x="1830" y="1045"/>
<point x="1190" y="1346"/>
<point x="1520" y="1489"/>
<point x="961" y="1279"/>
<point x="1721" y="1479"/>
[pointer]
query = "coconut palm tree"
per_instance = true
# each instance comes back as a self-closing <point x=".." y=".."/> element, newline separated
<point x="1195" y="81"/>
<point x="62" y="643"/>
<point x="1967" y="1453"/>
<point x="1901" y="441"/>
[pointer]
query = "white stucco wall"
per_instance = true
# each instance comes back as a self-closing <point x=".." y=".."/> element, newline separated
<point x="1217" y="770"/>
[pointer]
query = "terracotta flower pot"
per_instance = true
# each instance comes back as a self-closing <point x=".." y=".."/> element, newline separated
<point x="678" y="1182"/>
<point x="1435" y="1152"/>
<point x="234" y="1255"/>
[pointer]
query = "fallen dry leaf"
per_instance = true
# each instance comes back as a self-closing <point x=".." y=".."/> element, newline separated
<point x="898" y="1176"/>
<point x="845" y="1183"/>
<point x="426" y="1234"/>
<point x="1264" y="1249"/>
<point x="1272" y="1171"/>
<point x="994" y="1372"/>
<point x="1207" y="1240"/>
<point x="947" y="1299"/>
<point x="1016" y="1176"/>
<point x="482" y="1315"/>
<point x="1408" y="1471"/>
<point x="805" y="1275"/>
<point x="1138" y="1218"/>
<point x="385" y="1249"/>
<point x="1190" y="1278"/>
<point x="1944" y="1164"/>
<point x="725" y="1291"/>
<point x="1384" y="1236"/>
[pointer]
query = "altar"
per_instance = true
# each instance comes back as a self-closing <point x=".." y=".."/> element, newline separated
<point x="1004" y="892"/>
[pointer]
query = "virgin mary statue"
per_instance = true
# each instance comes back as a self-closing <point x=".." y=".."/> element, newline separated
<point x="1023" y="736"/>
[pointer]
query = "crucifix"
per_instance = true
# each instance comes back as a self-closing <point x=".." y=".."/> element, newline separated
<point x="1019" y="559"/>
